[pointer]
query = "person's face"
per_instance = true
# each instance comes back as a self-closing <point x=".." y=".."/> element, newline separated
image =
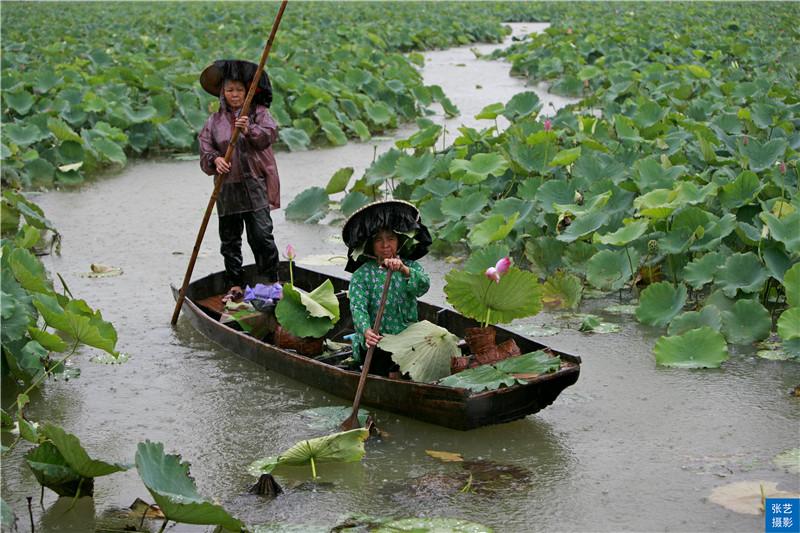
<point x="384" y="245"/>
<point x="234" y="94"/>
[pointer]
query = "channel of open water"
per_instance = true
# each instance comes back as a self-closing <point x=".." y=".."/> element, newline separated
<point x="630" y="447"/>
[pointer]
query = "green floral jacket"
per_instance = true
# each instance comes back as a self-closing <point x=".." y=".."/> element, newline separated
<point x="366" y="287"/>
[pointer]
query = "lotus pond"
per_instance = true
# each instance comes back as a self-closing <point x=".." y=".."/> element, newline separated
<point x="629" y="437"/>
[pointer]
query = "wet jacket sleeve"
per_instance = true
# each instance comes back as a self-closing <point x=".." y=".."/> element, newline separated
<point x="208" y="151"/>
<point x="418" y="281"/>
<point x="263" y="132"/>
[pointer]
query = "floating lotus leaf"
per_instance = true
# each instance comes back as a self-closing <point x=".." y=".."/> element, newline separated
<point x="308" y="205"/>
<point x="593" y="324"/>
<point x="746" y="497"/>
<point x="494" y="228"/>
<point x="702" y="271"/>
<point x="485" y="257"/>
<point x="611" y="270"/>
<point x="339" y="180"/>
<point x="742" y="191"/>
<point x="78" y="321"/>
<point x="174" y="491"/>
<point x="423" y="350"/>
<point x="295" y="139"/>
<point x="411" y="169"/>
<point x="480" y="167"/>
<point x="353" y="202"/>
<point x="789" y="460"/>
<point x="741" y="272"/>
<point x="344" y="447"/>
<point x="659" y="303"/>
<point x="522" y="105"/>
<point x="789" y="324"/>
<point x="697" y="348"/>
<point x="791" y="285"/>
<point x="762" y="156"/>
<point x="785" y="230"/>
<point x="76" y="457"/>
<point x="330" y="417"/>
<point x="708" y="316"/>
<point x="517" y="295"/>
<point x="748" y="321"/>
<point x="625" y="234"/>
<point x="480" y="378"/>
<point x="562" y="291"/>
<point x="432" y="525"/>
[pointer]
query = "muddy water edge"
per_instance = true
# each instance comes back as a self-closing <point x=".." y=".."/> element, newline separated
<point x="629" y="447"/>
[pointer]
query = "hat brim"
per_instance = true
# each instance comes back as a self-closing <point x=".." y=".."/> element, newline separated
<point x="397" y="215"/>
<point x="213" y="77"/>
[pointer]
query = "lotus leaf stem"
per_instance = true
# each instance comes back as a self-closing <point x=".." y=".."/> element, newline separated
<point x="313" y="468"/>
<point x="633" y="274"/>
<point x="291" y="274"/>
<point x="30" y="511"/>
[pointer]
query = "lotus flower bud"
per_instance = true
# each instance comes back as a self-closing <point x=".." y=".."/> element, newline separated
<point x="783" y="167"/>
<point x="290" y="253"/>
<point x="548" y="124"/>
<point x="492" y="274"/>
<point x="502" y="265"/>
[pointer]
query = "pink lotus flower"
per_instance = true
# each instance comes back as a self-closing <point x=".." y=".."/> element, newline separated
<point x="783" y="167"/>
<point x="290" y="253"/>
<point x="502" y="266"/>
<point x="493" y="274"/>
<point x="548" y="125"/>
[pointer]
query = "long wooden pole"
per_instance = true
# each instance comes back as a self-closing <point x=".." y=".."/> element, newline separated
<point x="220" y="178"/>
<point x="352" y="421"/>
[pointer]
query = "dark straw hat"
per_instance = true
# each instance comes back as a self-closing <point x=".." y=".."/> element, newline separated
<point x="214" y="76"/>
<point x="399" y="216"/>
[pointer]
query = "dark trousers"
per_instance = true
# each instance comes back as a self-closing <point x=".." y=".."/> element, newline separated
<point x="260" y="239"/>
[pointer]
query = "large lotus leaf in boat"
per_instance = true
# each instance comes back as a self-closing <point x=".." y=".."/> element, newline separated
<point x="308" y="314"/>
<point x="741" y="272"/>
<point x="659" y="303"/>
<point x="698" y="348"/>
<point x="537" y="362"/>
<point x="339" y="180"/>
<point x="173" y="489"/>
<point x="517" y="295"/>
<point x="791" y="285"/>
<point x="562" y="291"/>
<point x="423" y="350"/>
<point x="748" y="321"/>
<point x="480" y="378"/>
<point x="494" y="228"/>
<point x="343" y="447"/>
<point x="702" y="270"/>
<point x="708" y="316"/>
<point x="309" y="205"/>
<point x="789" y="324"/>
<point x="611" y="269"/>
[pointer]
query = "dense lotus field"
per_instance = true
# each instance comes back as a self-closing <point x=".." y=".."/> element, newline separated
<point x="675" y="176"/>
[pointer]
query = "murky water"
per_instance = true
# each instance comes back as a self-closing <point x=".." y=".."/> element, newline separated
<point x="629" y="447"/>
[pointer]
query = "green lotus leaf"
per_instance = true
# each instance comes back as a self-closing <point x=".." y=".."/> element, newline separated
<point x="321" y="302"/>
<point x="655" y="204"/>
<point x="625" y="129"/>
<point x="593" y="324"/>
<point x="485" y="257"/>
<point x="76" y="457"/>
<point x="508" y="206"/>
<point x="555" y="192"/>
<point x="625" y="235"/>
<point x="176" y="132"/>
<point x="491" y="111"/>
<point x="742" y="191"/>
<point x="308" y="205"/>
<point x="23" y="134"/>
<point x="584" y="225"/>
<point x="713" y="233"/>
<point x="517" y="295"/>
<point x="295" y="139"/>
<point x="423" y="350"/>
<point x="709" y="316"/>
<point x="424" y="138"/>
<point x="611" y="270"/>
<point x="360" y="129"/>
<point x="659" y="303"/>
<point x="790" y="460"/>
<point x="110" y="151"/>
<point x="62" y="130"/>
<point x="785" y="230"/>
<point x="458" y="207"/>
<point x="789" y="324"/>
<point x="762" y="156"/>
<point x="334" y="133"/>
<point x="698" y="71"/>
<point x="49" y="341"/>
<point x="27" y="237"/>
<point x="652" y="175"/>
<point x="174" y="491"/>
<point x="538" y="362"/>
<point x="588" y="72"/>
<point x="41" y="171"/>
<point x="384" y="168"/>
<point x="353" y="202"/>
<point x="741" y="272"/>
<point x="481" y="378"/>
<point x="522" y="105"/>
<point x="698" y="348"/>
<point x="379" y="113"/>
<point x="16" y="310"/>
<point x="293" y="314"/>
<point x="20" y="101"/>
<point x="78" y="321"/>
<point x="71" y="153"/>
<point x="51" y="469"/>
<point x="440" y="187"/>
<point x="28" y="270"/>
<point x="344" y="447"/>
<point x="648" y="114"/>
<point x="748" y="321"/>
<point x="411" y="169"/>
<point x="702" y="271"/>
<point x="791" y="285"/>
<point x="565" y="157"/>
<point x="494" y="228"/>
<point x="330" y="417"/>
<point x="434" y="524"/>
<point x="562" y="291"/>
<point x="480" y="167"/>
<point x="339" y="180"/>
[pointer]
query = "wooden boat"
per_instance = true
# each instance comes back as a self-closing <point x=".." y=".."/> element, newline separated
<point x="451" y="407"/>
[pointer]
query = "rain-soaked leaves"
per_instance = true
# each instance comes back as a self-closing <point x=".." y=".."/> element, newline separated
<point x="423" y="350"/>
<point x="746" y="322"/>
<point x="659" y="303"/>
<point x="697" y="348"/>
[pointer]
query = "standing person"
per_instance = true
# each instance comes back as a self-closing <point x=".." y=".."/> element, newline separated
<point x="252" y="185"/>
<point x="382" y="237"/>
